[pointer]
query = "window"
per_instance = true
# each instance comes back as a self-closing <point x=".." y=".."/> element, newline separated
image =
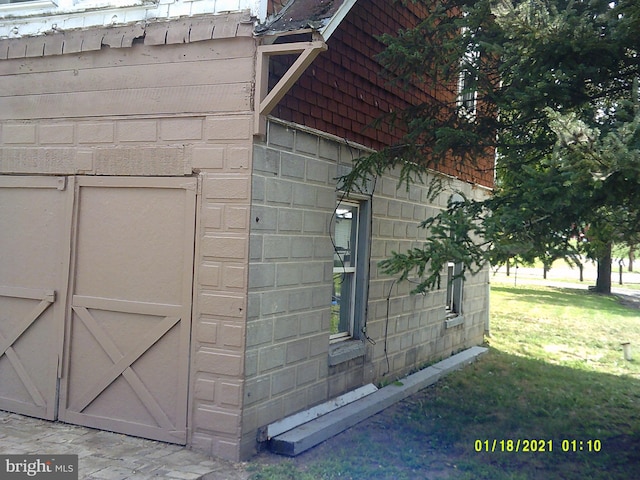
<point x="467" y="93"/>
<point x="468" y="81"/>
<point x="349" y="269"/>
<point x="455" y="280"/>
<point x="454" y="289"/>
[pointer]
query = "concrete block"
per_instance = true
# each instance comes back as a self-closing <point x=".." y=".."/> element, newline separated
<point x="302" y="247"/>
<point x="262" y="275"/>
<point x="303" y="195"/>
<point x="270" y="358"/>
<point x="212" y="217"/>
<point x="283" y="381"/>
<point x="228" y="128"/>
<point x="257" y="390"/>
<point x="281" y="136"/>
<point x="211" y="158"/>
<point x="219" y="363"/>
<point x="310" y="322"/>
<point x="205" y="389"/>
<point x="234" y="277"/>
<point x="238" y="158"/>
<point x="181" y="129"/>
<point x="229" y="394"/>
<point x="58" y="133"/>
<point x="236" y="218"/>
<point x="207" y="332"/>
<point x="307" y="372"/>
<point x="19" y="133"/>
<point x="329" y="149"/>
<point x="96" y="132"/>
<point x="266" y="160"/>
<point x="319" y="172"/>
<point x="226" y="305"/>
<point x="285" y="327"/>
<point x="141" y="160"/>
<point x="315" y="222"/>
<point x="292" y="165"/>
<point x="279" y="192"/>
<point x="232" y="336"/>
<point x="217" y="420"/>
<point x="258" y="189"/>
<point x="227" y="187"/>
<point x="319" y="345"/>
<point x="210" y="275"/>
<point x="289" y="220"/>
<point x="297" y="350"/>
<point x="313" y="273"/>
<point x="276" y="247"/>
<point x="259" y="332"/>
<point x="232" y="247"/>
<point x="264" y="218"/>
<point x="300" y="299"/>
<point x="288" y="274"/>
<point x="307" y="143"/>
<point x="274" y="302"/>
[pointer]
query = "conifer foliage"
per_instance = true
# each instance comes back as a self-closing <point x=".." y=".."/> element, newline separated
<point x="550" y="87"/>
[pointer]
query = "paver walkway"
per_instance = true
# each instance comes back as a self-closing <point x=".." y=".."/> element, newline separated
<point x="111" y="456"/>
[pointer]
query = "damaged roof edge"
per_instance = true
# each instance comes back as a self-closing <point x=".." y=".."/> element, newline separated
<point x="323" y="16"/>
<point x="337" y="19"/>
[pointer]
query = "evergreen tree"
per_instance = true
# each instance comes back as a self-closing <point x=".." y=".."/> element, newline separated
<point x="552" y="87"/>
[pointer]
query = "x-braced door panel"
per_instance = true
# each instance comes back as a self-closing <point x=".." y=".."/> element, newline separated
<point x="128" y="329"/>
<point x="35" y="222"/>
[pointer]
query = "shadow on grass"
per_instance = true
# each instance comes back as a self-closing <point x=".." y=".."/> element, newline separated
<point x="502" y="397"/>
<point x="568" y="297"/>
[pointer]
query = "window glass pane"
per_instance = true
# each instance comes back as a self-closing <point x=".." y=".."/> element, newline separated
<point x="345" y="240"/>
<point x="345" y="236"/>
<point x="342" y="302"/>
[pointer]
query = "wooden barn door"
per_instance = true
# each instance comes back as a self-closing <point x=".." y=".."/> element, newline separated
<point x="35" y="220"/>
<point x="128" y="322"/>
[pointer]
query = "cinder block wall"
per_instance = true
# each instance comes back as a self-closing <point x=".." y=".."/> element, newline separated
<point x="290" y="275"/>
<point x="290" y="281"/>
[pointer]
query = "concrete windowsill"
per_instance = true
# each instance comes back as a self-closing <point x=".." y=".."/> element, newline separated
<point x="454" y="321"/>
<point x="344" y="351"/>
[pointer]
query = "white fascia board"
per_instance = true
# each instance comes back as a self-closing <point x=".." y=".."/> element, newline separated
<point x="40" y="17"/>
<point x="337" y="19"/>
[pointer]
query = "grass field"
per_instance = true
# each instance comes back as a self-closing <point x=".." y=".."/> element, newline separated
<point x="554" y="383"/>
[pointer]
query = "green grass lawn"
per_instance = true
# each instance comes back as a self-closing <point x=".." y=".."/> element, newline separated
<point x="555" y="374"/>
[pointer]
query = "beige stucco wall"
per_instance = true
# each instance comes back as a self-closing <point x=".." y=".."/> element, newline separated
<point x="156" y="109"/>
<point x="290" y="283"/>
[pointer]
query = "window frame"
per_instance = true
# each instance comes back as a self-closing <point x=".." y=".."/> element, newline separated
<point x="467" y="95"/>
<point x="358" y="270"/>
<point x="455" y="283"/>
<point x="454" y="295"/>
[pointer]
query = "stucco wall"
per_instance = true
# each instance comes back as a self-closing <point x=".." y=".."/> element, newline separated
<point x="290" y="281"/>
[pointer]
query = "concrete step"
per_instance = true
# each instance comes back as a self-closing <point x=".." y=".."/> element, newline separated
<point x="310" y="434"/>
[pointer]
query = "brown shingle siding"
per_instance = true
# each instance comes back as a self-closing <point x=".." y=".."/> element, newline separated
<point x="343" y="92"/>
